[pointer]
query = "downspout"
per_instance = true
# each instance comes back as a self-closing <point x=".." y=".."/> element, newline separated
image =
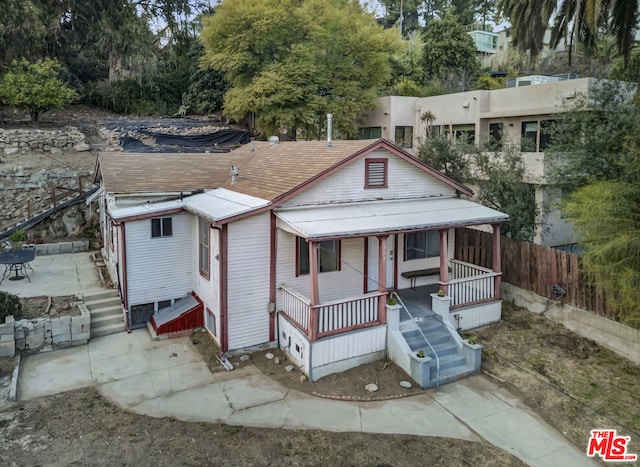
<point x="125" y="292"/>
<point x="272" y="278"/>
<point x="224" y="344"/>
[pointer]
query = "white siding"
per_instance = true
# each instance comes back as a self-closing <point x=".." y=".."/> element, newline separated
<point x="404" y="181"/>
<point x="350" y="345"/>
<point x="347" y="282"/>
<point x="208" y="290"/>
<point x="159" y="268"/>
<point x="248" y="258"/>
<point x="295" y="343"/>
<point x="476" y="316"/>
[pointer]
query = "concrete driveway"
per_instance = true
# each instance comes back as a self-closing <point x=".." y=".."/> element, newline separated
<point x="169" y="379"/>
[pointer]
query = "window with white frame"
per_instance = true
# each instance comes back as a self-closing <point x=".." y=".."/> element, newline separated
<point x="328" y="256"/>
<point x="161" y="227"/>
<point x="203" y="247"/>
<point x="421" y="245"/>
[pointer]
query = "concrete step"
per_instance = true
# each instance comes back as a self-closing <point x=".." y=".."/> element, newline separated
<point x="442" y="350"/>
<point x="95" y="304"/>
<point x="451" y="361"/>
<point x="451" y="374"/>
<point x="415" y="339"/>
<point x="106" y="330"/>
<point x="106" y="311"/>
<point x="108" y="293"/>
<point x="107" y="320"/>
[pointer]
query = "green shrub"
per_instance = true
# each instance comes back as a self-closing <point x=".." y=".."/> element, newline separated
<point x="9" y="305"/>
<point x="18" y="236"/>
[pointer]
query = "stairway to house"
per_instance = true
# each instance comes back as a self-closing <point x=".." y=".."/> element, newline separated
<point x="107" y="316"/>
<point x="457" y="358"/>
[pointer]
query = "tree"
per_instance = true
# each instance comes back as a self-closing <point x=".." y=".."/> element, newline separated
<point x="578" y="20"/>
<point x="587" y="142"/>
<point x="405" y="14"/>
<point x="606" y="218"/>
<point x="498" y="175"/>
<point x="449" y="54"/>
<point x="35" y="87"/>
<point x="292" y="62"/>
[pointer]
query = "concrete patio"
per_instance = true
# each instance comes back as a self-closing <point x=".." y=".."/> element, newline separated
<point x="56" y="275"/>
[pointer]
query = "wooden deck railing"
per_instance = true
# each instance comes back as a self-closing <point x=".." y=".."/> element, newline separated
<point x="470" y="284"/>
<point x="332" y="317"/>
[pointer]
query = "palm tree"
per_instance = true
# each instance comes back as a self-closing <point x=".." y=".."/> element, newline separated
<point x="579" y="21"/>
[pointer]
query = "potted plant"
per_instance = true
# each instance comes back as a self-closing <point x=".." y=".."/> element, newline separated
<point x="420" y="354"/>
<point x="441" y="293"/>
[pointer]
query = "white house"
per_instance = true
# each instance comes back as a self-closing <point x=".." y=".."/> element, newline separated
<point x="297" y="245"/>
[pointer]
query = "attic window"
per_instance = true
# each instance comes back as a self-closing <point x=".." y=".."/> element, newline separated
<point x="375" y="175"/>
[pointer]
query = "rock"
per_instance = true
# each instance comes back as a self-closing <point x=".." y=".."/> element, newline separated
<point x="269" y="356"/>
<point x="288" y="368"/>
<point x="245" y="358"/>
<point x="303" y="378"/>
<point x="371" y="387"/>
<point x="10" y="151"/>
<point x="276" y="361"/>
<point x="406" y="384"/>
<point x="81" y="147"/>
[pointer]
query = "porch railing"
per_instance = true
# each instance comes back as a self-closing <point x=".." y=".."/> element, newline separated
<point x="296" y="306"/>
<point x="333" y="317"/>
<point x="470" y="284"/>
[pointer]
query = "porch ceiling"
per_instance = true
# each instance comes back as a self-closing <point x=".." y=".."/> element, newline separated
<point x="379" y="217"/>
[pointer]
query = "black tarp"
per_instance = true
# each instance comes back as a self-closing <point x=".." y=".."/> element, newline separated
<point x="219" y="141"/>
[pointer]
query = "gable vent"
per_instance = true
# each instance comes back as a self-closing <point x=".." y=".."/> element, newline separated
<point x="376" y="173"/>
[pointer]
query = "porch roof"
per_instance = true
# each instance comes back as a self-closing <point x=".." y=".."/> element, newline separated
<point x="380" y="217"/>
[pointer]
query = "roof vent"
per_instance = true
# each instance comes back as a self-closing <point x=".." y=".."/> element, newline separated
<point x="329" y="131"/>
<point x="234" y="174"/>
<point x="274" y="140"/>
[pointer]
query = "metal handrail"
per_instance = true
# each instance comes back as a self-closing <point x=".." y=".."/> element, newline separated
<point x="435" y="354"/>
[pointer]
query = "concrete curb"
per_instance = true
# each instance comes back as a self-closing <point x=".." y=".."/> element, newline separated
<point x="13" y="389"/>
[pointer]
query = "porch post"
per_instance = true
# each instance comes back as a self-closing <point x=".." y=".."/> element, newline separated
<point x="382" y="278"/>
<point x="313" y="287"/>
<point x="497" y="266"/>
<point x="444" y="261"/>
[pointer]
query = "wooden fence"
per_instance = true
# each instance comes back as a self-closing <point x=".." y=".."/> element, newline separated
<point x="535" y="268"/>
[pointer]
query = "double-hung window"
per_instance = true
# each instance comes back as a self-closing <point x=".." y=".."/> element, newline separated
<point x="161" y="227"/>
<point x="328" y="256"/>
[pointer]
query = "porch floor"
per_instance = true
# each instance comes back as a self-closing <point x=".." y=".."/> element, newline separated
<point x="417" y="301"/>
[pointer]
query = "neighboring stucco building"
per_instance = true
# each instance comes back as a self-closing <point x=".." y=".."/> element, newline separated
<point x="517" y="116"/>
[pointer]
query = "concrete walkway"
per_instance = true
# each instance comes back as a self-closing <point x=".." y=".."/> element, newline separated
<point x="169" y="379"/>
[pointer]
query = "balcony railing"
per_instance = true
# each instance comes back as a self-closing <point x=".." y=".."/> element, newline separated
<point x="332" y="317"/>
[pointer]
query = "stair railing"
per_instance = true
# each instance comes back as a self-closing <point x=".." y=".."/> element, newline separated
<point x="435" y="354"/>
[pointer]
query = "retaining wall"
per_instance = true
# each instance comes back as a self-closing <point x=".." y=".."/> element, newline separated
<point x="41" y="333"/>
<point x="22" y="141"/>
<point x="57" y="248"/>
<point x="615" y="336"/>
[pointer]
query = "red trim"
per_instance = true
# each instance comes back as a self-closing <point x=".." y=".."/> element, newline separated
<point x="124" y="267"/>
<point x="497" y="267"/>
<point x="297" y="254"/>
<point x="284" y="314"/>
<point x="366" y="265"/>
<point x="382" y="278"/>
<point x="349" y="328"/>
<point x="395" y="262"/>
<point x="367" y="162"/>
<point x="444" y="260"/>
<point x="272" y="276"/>
<point x="313" y="290"/>
<point x="224" y="343"/>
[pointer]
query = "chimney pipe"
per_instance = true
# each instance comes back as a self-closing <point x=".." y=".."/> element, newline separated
<point x="253" y="144"/>
<point x="234" y="174"/>
<point x="329" y="130"/>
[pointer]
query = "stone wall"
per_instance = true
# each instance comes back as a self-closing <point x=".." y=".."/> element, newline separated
<point x="52" y="333"/>
<point x="53" y="142"/>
